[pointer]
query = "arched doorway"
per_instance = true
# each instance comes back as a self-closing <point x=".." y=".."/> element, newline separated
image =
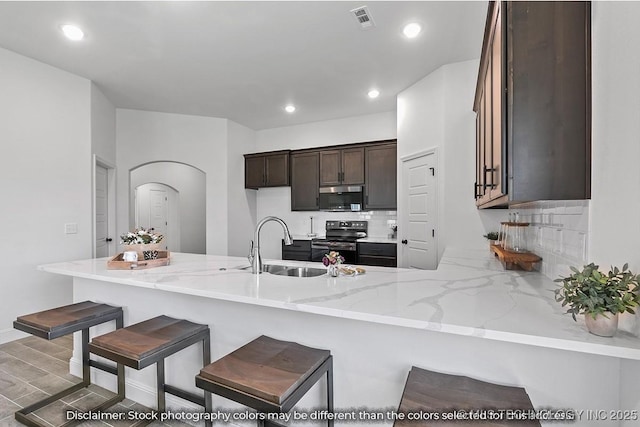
<point x="187" y="185"/>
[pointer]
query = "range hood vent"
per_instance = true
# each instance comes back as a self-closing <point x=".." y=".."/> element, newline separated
<point x="363" y="16"/>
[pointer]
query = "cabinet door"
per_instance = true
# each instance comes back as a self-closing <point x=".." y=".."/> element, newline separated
<point x="330" y="168"/>
<point x="487" y="171"/>
<point x="304" y="181"/>
<point x="277" y="170"/>
<point x="549" y="111"/>
<point x="353" y="166"/>
<point x="380" y="177"/>
<point x="482" y="146"/>
<point x="254" y="172"/>
<point x="380" y="254"/>
<point x="497" y="174"/>
<point x="300" y="250"/>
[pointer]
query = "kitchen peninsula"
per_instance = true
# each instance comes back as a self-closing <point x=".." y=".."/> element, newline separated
<point x="470" y="317"/>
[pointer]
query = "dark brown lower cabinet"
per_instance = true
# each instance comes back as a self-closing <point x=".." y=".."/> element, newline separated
<point x="378" y="254"/>
<point x="300" y="250"/>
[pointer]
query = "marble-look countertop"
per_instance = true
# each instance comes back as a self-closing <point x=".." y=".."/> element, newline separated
<point x="469" y="294"/>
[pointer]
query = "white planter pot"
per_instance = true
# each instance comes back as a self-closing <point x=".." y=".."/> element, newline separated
<point x="141" y="248"/>
<point x="604" y="325"/>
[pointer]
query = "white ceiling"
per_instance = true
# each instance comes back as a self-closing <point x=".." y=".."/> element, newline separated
<point x="246" y="60"/>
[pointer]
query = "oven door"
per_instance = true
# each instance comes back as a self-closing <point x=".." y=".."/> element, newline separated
<point x="346" y="249"/>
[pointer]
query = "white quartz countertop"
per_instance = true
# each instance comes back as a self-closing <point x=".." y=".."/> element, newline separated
<point x="469" y="294"/>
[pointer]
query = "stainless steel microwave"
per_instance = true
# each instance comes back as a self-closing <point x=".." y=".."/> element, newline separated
<point x="341" y="198"/>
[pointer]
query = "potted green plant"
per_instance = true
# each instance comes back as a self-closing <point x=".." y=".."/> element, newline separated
<point x="599" y="296"/>
<point x="493" y="237"/>
<point x="142" y="240"/>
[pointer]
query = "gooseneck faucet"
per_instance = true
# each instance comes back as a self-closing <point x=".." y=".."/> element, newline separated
<point x="254" y="257"/>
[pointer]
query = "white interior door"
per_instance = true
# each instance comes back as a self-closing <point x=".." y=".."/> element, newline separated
<point x="418" y="224"/>
<point x="101" y="212"/>
<point x="157" y="208"/>
<point x="158" y="218"/>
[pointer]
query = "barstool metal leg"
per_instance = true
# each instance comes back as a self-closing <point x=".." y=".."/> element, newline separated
<point x="330" y="391"/>
<point x="206" y="359"/>
<point x="120" y="366"/>
<point x="160" y="385"/>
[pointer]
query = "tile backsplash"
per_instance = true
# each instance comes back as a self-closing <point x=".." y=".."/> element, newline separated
<point x="558" y="232"/>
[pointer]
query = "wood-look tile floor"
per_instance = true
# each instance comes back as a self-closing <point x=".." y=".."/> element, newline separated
<point x="32" y="368"/>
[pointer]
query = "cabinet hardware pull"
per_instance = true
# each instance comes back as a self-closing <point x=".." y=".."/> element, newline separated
<point x="486" y="171"/>
<point x="476" y="186"/>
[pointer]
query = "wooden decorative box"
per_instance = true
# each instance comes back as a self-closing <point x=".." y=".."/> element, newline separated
<point x="513" y="260"/>
<point x="117" y="263"/>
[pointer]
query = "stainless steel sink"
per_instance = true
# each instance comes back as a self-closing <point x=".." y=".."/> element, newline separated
<point x="286" y="270"/>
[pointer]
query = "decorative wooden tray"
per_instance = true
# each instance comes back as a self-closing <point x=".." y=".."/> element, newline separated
<point x="513" y="260"/>
<point x="117" y="263"/>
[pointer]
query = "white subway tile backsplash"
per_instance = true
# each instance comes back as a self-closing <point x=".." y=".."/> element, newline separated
<point x="558" y="233"/>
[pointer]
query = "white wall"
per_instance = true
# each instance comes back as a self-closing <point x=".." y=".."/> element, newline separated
<point x="144" y="136"/>
<point x="45" y="182"/>
<point x="103" y="126"/>
<point x="370" y="127"/>
<point x="437" y="112"/>
<point x="615" y="179"/>
<point x="242" y="203"/>
<point x="277" y="201"/>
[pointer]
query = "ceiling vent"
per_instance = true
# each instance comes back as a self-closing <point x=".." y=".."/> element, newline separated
<point x="363" y="16"/>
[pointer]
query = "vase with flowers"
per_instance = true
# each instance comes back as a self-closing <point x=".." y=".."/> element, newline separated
<point x="143" y="241"/>
<point x="332" y="261"/>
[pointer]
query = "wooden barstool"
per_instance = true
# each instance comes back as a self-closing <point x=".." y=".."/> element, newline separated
<point x="57" y="322"/>
<point x="151" y="341"/>
<point x="268" y="375"/>
<point x="428" y="392"/>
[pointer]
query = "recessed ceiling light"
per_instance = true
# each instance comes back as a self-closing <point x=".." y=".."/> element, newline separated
<point x="373" y="93"/>
<point x="412" y="30"/>
<point x="290" y="108"/>
<point x="72" y="32"/>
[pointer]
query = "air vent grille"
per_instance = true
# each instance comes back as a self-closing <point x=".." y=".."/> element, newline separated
<point x="363" y="17"/>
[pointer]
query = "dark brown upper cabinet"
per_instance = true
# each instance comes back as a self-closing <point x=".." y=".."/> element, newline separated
<point x="533" y="104"/>
<point x="380" y="171"/>
<point x="305" y="181"/>
<point x="266" y="169"/>
<point x="342" y="167"/>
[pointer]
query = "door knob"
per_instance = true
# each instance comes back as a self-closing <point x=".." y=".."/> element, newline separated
<point x="108" y="239"/>
<point x="404" y="242"/>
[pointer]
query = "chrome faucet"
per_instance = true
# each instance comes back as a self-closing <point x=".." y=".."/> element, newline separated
<point x="254" y="257"/>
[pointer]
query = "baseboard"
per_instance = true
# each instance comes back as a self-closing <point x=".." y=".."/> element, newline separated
<point x="8" y="335"/>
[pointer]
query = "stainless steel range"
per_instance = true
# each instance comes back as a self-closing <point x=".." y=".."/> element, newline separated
<point x="341" y="236"/>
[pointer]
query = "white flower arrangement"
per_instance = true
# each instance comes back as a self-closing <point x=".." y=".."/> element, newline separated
<point x="140" y="236"/>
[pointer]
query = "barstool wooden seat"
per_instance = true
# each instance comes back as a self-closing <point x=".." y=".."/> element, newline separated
<point x="151" y="341"/>
<point x="269" y="375"/>
<point x="57" y="322"/>
<point x="436" y="393"/>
